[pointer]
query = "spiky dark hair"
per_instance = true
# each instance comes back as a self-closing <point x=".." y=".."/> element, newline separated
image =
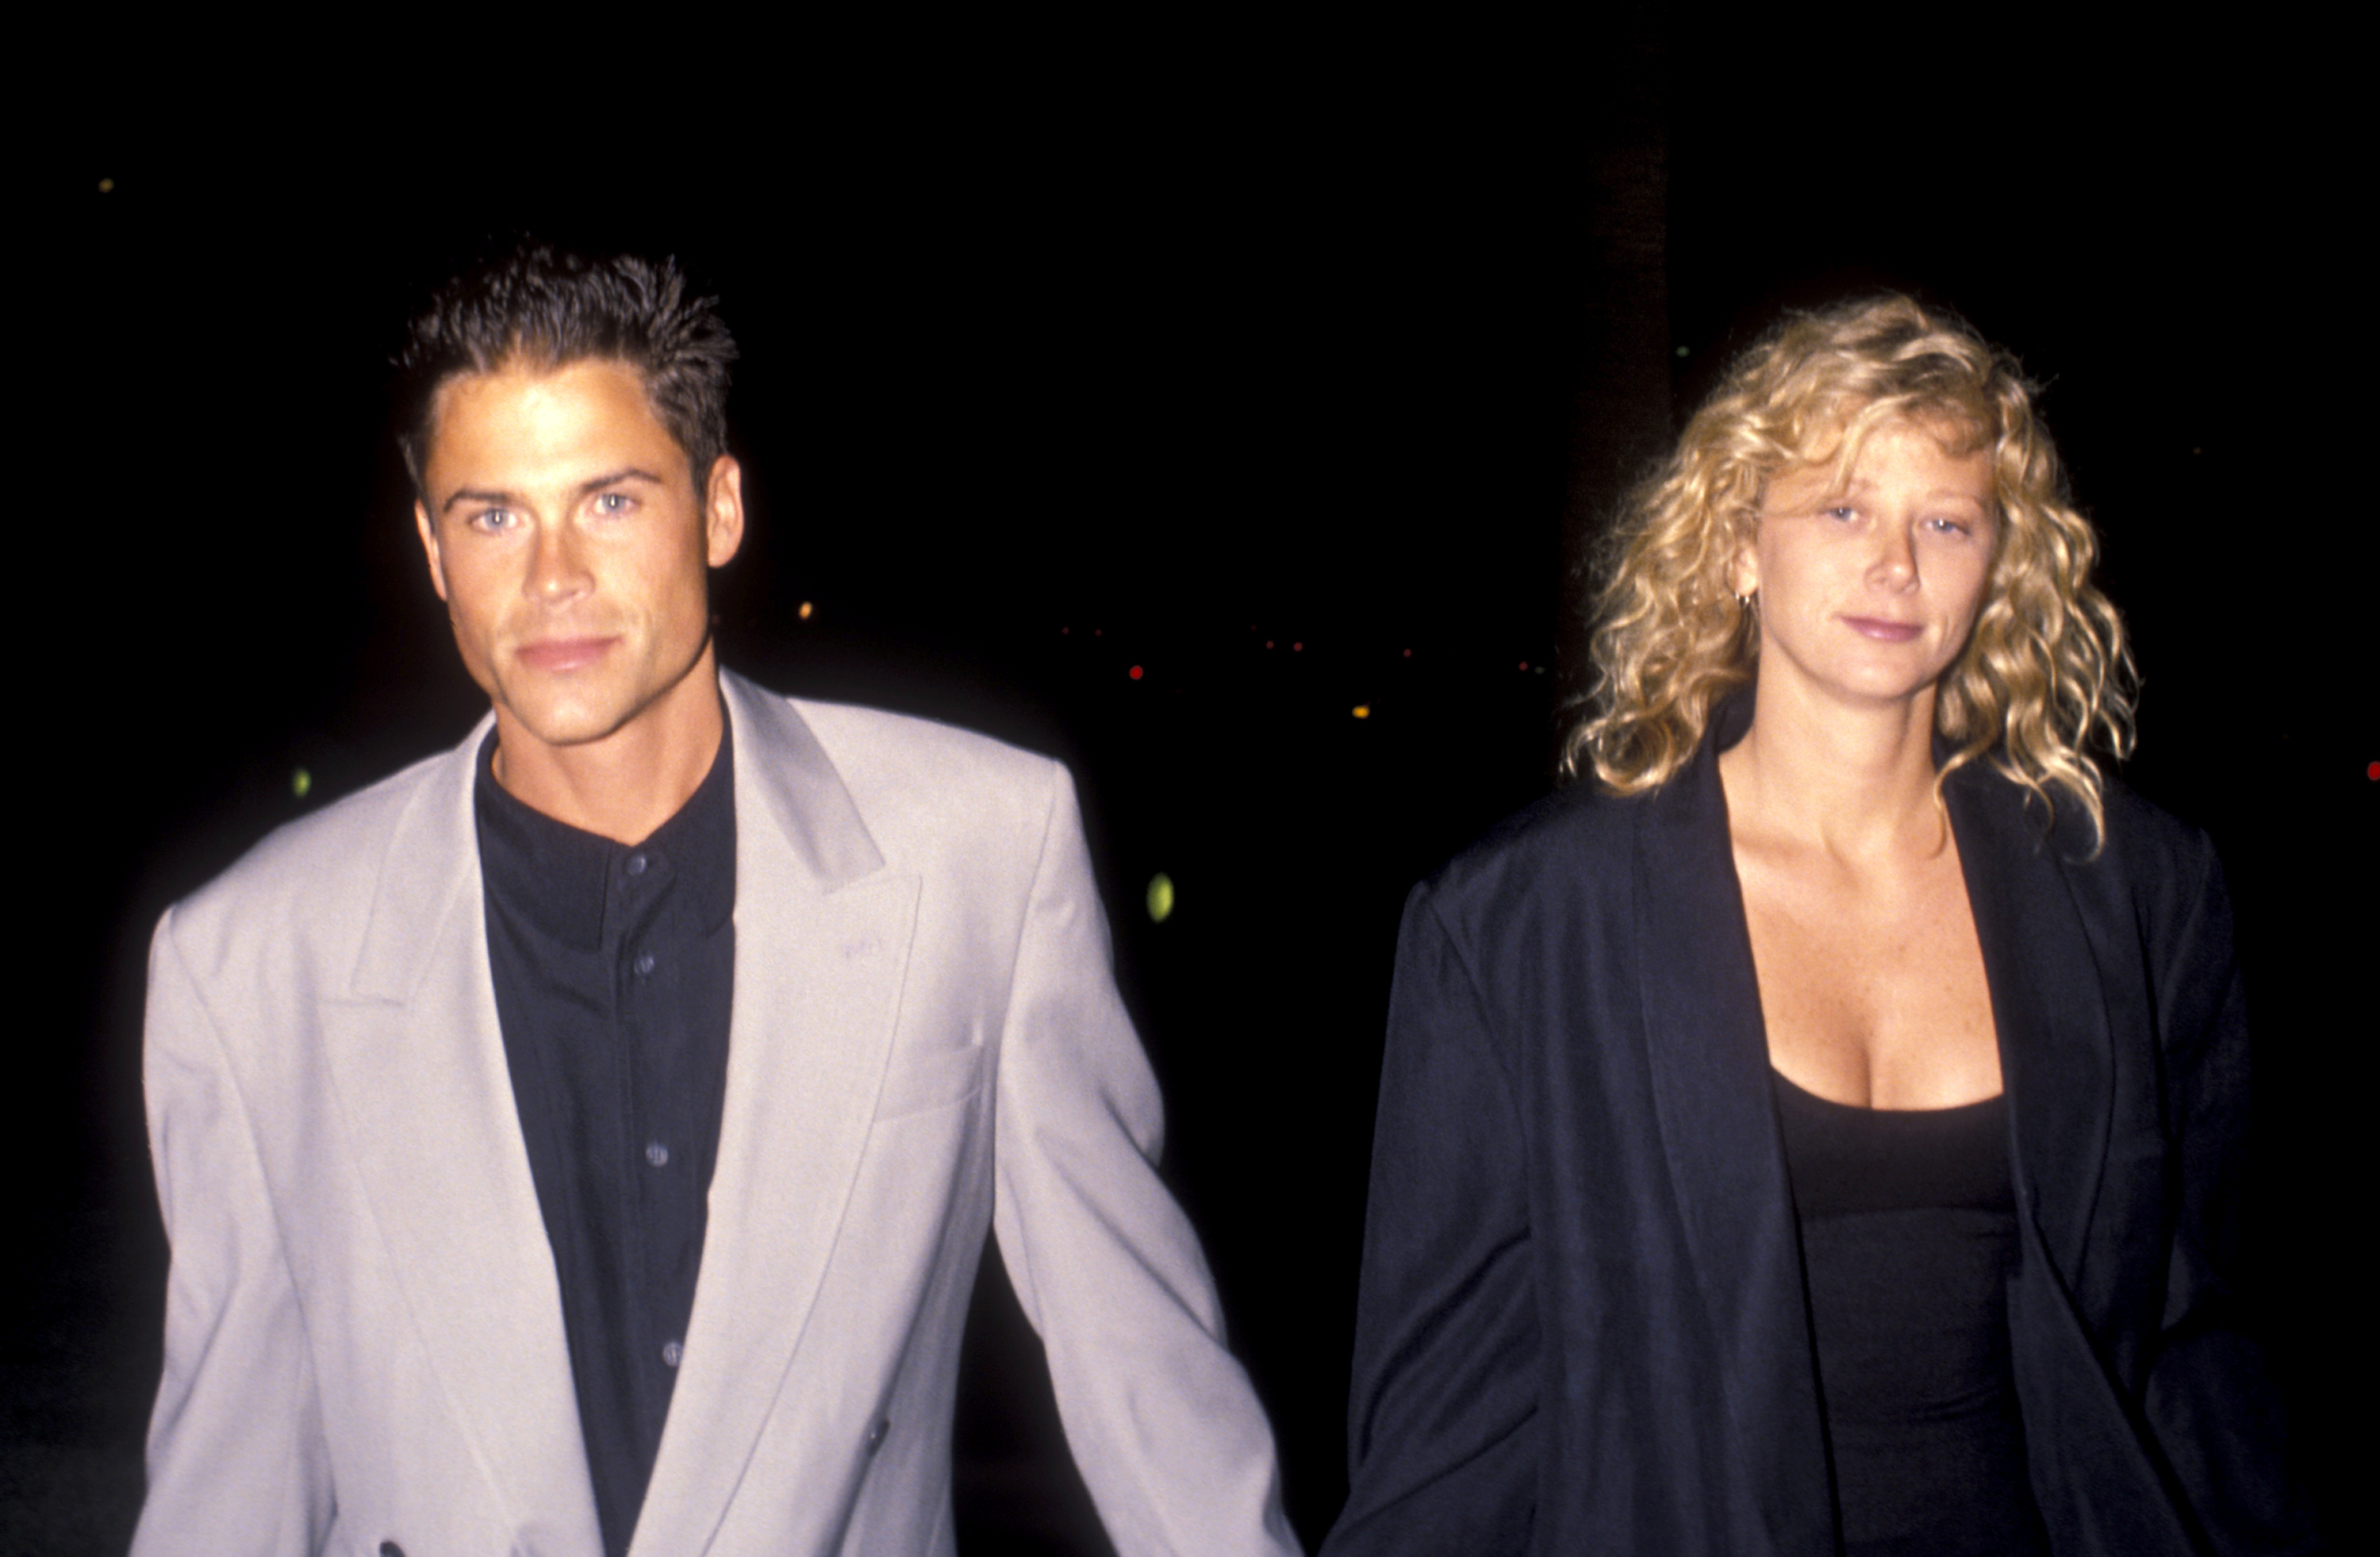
<point x="541" y="307"/>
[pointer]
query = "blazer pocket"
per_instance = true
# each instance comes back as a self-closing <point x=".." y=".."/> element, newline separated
<point x="928" y="1081"/>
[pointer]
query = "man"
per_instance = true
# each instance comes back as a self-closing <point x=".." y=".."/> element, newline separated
<point x="584" y="1140"/>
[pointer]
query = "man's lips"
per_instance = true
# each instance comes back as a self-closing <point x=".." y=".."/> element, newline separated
<point x="1882" y="630"/>
<point x="563" y="654"/>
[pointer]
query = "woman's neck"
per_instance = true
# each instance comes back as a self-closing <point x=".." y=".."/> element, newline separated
<point x="1853" y="778"/>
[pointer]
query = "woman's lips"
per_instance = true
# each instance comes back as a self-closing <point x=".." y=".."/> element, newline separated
<point x="554" y="654"/>
<point x="1883" y="631"/>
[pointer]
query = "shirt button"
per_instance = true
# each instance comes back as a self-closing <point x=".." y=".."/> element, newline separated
<point x="645" y="963"/>
<point x="636" y="864"/>
<point x="672" y="1353"/>
<point x="657" y="1154"/>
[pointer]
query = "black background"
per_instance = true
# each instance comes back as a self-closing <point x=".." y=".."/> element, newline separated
<point x="1253" y="360"/>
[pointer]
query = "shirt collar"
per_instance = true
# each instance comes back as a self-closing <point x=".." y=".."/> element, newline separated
<point x="560" y="876"/>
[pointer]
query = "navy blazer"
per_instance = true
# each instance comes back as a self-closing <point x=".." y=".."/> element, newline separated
<point x="1582" y="1326"/>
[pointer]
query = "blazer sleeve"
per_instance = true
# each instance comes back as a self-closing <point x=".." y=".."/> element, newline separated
<point x="1162" y="1420"/>
<point x="2208" y="1399"/>
<point x="237" y="1462"/>
<point x="1443" y="1418"/>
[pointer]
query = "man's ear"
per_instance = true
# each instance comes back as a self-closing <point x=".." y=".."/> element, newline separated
<point x="429" y="549"/>
<point x="723" y="511"/>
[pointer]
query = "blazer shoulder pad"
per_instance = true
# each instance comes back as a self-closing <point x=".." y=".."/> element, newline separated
<point x="1541" y="848"/>
<point x="918" y="781"/>
<point x="316" y="876"/>
<point x="863" y="741"/>
<point x="2139" y="828"/>
<point x="2163" y="864"/>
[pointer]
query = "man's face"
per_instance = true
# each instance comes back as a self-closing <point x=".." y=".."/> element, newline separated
<point x="567" y="536"/>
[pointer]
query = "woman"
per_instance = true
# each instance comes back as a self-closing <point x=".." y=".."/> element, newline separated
<point x="1821" y="1130"/>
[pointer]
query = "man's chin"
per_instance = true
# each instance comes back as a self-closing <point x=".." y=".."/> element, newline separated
<point x="566" y="721"/>
<point x="575" y="711"/>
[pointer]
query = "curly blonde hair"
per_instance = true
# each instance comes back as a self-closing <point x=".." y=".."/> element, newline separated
<point x="2045" y="672"/>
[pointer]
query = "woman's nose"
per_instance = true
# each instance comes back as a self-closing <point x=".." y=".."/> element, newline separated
<point x="1896" y="556"/>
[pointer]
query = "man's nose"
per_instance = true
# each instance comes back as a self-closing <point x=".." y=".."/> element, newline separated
<point x="557" y="567"/>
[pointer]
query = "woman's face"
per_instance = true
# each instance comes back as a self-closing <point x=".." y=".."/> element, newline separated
<point x="1867" y="589"/>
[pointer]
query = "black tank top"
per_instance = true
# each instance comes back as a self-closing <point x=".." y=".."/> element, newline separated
<point x="1908" y="1238"/>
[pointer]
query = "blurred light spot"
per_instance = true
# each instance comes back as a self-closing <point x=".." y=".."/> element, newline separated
<point x="1133" y="672"/>
<point x="300" y="781"/>
<point x="1408" y="653"/>
<point x="2373" y="772"/>
<point x="1099" y="632"/>
<point x="1684" y="351"/>
<point x="1297" y="648"/>
<point x="1160" y="897"/>
<point x="804" y="611"/>
<point x="1363" y="710"/>
<point x="1063" y="631"/>
<point x="1267" y="643"/>
<point x="1524" y="664"/>
<point x="106" y="185"/>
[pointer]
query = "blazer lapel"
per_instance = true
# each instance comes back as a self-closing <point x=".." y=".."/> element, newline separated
<point x="416" y="1060"/>
<point x="2048" y="1003"/>
<point x="823" y="937"/>
<point x="1708" y="1053"/>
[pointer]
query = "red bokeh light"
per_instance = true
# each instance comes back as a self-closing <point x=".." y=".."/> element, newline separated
<point x="1135" y="672"/>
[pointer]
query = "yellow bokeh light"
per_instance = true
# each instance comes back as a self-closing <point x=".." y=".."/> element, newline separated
<point x="1160" y="897"/>
<point x="301" y="782"/>
<point x="804" y="611"/>
<point x="1363" y="710"/>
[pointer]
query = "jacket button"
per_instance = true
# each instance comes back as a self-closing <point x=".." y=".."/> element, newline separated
<point x="390" y="1549"/>
<point x="875" y="1432"/>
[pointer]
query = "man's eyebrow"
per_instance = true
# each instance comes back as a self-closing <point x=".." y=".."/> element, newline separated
<point x="505" y="499"/>
<point x="476" y="495"/>
<point x="626" y="473"/>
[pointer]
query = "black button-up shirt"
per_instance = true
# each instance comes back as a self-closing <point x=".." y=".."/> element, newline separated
<point x="614" y="966"/>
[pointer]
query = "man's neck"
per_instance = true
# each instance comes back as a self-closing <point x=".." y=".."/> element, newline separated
<point x="626" y="785"/>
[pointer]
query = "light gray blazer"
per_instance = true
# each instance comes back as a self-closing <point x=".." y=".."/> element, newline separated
<point x="363" y="1334"/>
